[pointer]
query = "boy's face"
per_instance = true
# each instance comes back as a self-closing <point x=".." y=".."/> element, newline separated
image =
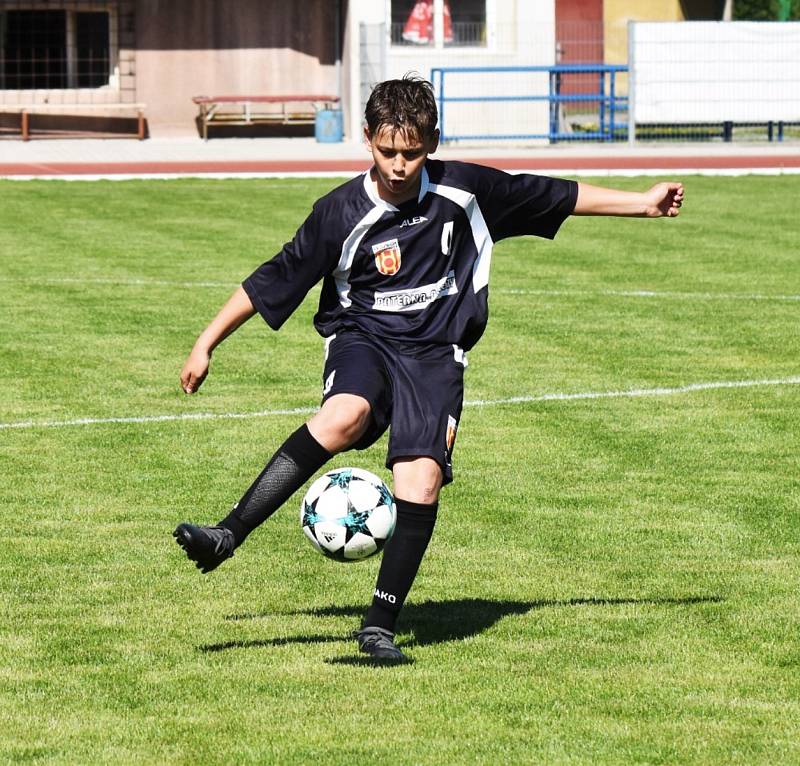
<point x="399" y="158"/>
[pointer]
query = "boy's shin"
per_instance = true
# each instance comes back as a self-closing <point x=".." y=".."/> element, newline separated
<point x="295" y="461"/>
<point x="401" y="560"/>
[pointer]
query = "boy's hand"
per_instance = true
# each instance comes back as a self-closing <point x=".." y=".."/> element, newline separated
<point x="665" y="199"/>
<point x="195" y="370"/>
<point x="233" y="314"/>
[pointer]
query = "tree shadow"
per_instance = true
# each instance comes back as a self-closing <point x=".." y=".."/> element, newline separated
<point x="436" y="622"/>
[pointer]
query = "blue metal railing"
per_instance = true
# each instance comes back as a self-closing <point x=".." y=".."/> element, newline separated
<point x="609" y="103"/>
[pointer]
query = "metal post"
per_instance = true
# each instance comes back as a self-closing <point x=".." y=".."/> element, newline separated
<point x="384" y="51"/>
<point x="601" y="84"/>
<point x="727" y="131"/>
<point x="337" y="33"/>
<point x="441" y="101"/>
<point x="439" y="74"/>
<point x="72" y="49"/>
<point x="631" y="84"/>
<point x="727" y="11"/>
<point x="25" y="125"/>
<point x="612" y="103"/>
<point x="438" y="24"/>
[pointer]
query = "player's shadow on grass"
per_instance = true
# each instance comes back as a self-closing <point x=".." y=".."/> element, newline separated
<point x="436" y="622"/>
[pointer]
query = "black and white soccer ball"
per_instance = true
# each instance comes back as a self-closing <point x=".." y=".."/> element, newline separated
<point x="348" y="514"/>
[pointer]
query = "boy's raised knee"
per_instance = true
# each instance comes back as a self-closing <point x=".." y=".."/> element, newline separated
<point x="341" y="421"/>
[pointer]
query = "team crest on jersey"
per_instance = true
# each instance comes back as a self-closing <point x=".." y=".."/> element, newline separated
<point x="387" y="257"/>
<point x="452" y="427"/>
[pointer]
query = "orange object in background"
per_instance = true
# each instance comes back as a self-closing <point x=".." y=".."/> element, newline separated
<point x="419" y="27"/>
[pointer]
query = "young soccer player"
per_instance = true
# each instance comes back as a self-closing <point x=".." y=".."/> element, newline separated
<point x="403" y="252"/>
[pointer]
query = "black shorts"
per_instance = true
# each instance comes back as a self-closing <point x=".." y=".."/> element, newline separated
<point x="418" y="390"/>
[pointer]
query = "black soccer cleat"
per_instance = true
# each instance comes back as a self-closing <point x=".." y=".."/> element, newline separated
<point x="379" y="644"/>
<point x="208" y="547"/>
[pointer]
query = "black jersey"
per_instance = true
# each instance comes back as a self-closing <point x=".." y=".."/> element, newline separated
<point x="416" y="273"/>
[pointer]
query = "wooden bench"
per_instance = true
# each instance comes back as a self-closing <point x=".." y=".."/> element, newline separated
<point x="249" y="110"/>
<point x="75" y="110"/>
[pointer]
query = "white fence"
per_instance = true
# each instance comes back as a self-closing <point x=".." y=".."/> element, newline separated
<point x="703" y="73"/>
<point x="689" y="81"/>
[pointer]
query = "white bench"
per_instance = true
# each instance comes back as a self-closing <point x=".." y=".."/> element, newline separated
<point x="249" y="110"/>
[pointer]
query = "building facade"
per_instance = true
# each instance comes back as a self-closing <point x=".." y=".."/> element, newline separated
<point x="105" y="54"/>
<point x="67" y="54"/>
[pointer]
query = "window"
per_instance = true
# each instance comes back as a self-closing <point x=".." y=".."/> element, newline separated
<point x="469" y="22"/>
<point x="54" y="49"/>
<point x="92" y="46"/>
<point x="463" y="22"/>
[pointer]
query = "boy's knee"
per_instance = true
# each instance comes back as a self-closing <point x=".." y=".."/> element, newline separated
<point x="426" y="494"/>
<point x="417" y="479"/>
<point x="341" y="421"/>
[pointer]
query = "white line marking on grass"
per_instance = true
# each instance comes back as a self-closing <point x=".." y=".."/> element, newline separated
<point x="158" y="418"/>
<point x="636" y="392"/>
<point x="664" y="172"/>
<point x="576" y="171"/>
<point x="143" y="282"/>
<point x="651" y="294"/>
<point x="556" y="397"/>
<point x="130" y="282"/>
<point x="221" y="176"/>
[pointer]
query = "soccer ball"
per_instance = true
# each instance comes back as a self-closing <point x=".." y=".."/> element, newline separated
<point x="348" y="514"/>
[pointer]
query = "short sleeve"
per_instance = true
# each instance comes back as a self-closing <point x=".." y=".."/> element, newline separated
<point x="518" y="204"/>
<point x="279" y="286"/>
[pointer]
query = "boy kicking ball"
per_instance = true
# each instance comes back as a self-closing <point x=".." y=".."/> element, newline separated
<point x="403" y="252"/>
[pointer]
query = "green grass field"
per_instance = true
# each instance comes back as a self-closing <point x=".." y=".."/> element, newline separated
<point x="613" y="579"/>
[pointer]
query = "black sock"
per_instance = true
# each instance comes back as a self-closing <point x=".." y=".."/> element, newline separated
<point x="401" y="560"/>
<point x="296" y="461"/>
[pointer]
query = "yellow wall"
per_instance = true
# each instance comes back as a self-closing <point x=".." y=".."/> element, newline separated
<point x="617" y="14"/>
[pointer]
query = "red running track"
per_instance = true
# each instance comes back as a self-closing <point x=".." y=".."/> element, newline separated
<point x="532" y="163"/>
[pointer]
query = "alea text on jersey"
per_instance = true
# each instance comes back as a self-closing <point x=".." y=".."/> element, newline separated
<point x="417" y="219"/>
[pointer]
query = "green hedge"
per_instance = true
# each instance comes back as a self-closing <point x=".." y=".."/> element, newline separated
<point x="766" y="10"/>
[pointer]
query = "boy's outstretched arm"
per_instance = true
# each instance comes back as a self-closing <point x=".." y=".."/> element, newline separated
<point x="663" y="199"/>
<point x="232" y="315"/>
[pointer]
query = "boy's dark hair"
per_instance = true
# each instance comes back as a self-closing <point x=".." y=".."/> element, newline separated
<point x="407" y="106"/>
